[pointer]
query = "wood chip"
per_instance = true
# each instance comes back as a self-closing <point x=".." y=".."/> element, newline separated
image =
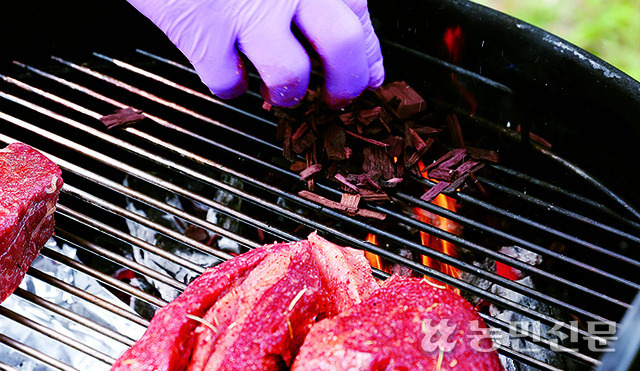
<point x="334" y="142"/>
<point x="350" y="202"/>
<point x="122" y="117"/>
<point x="311" y="170"/>
<point x="368" y="140"/>
<point x="403" y="101"/>
<point x="483" y="154"/>
<point x="434" y="191"/>
<point x="338" y="206"/>
<point x="346" y="183"/>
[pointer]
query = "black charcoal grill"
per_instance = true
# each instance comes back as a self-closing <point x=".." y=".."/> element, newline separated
<point x="201" y="165"/>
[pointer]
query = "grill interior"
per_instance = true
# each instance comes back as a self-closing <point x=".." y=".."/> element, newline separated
<point x="136" y="200"/>
<point x="185" y="151"/>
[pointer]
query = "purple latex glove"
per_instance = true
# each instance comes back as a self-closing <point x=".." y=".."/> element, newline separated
<point x="210" y="33"/>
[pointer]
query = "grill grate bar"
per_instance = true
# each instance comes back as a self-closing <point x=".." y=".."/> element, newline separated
<point x="56" y="335"/>
<point x="133" y="317"/>
<point x="558" y="209"/>
<point x="566" y="193"/>
<point x="34" y="353"/>
<point x="356" y="242"/>
<point x="104" y="278"/>
<point x="127" y="238"/>
<point x="91" y="199"/>
<point x="70" y="315"/>
<point x="543" y="342"/>
<point x="208" y="98"/>
<point x="164" y="102"/>
<point x="119" y="259"/>
<point x="544" y="251"/>
<point x="552" y="207"/>
<point x="544" y="228"/>
<point x="519" y="242"/>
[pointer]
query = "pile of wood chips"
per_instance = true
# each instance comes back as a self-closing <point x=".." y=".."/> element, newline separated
<point x="371" y="146"/>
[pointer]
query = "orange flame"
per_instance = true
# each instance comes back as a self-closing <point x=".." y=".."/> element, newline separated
<point x="444" y="224"/>
<point x="374" y="260"/>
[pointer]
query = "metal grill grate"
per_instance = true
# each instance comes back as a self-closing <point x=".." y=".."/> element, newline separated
<point x="192" y="138"/>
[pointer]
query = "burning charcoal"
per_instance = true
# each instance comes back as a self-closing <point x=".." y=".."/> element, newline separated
<point x="122" y="117"/>
<point x="434" y="191"/>
<point x="346" y="183"/>
<point x="338" y="206"/>
<point x="308" y="172"/>
<point x="403" y="101"/>
<point x="334" y="142"/>
<point x="302" y="139"/>
<point x="377" y="161"/>
<point x="483" y="154"/>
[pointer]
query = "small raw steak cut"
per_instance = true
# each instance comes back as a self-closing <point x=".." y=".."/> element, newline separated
<point x="254" y="311"/>
<point x="407" y="324"/>
<point x="29" y="188"/>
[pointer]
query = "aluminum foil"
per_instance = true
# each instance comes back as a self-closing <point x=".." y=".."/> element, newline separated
<point x="72" y="329"/>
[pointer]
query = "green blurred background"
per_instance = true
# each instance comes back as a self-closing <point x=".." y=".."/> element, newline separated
<point x="609" y="29"/>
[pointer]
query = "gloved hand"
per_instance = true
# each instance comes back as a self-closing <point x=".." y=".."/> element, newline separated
<point x="208" y="32"/>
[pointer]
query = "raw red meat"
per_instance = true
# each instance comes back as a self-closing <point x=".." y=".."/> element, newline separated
<point x="401" y="327"/>
<point x="29" y="188"/>
<point x="252" y="312"/>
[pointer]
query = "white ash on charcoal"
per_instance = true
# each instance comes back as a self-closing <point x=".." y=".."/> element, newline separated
<point x="194" y="232"/>
<point x="511" y="338"/>
<point x="74" y="330"/>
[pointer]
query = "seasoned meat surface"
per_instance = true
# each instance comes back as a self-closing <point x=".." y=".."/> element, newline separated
<point x="254" y="311"/>
<point x="29" y="188"/>
<point x="407" y="324"/>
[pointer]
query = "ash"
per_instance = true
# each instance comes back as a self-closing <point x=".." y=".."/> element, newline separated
<point x="66" y="327"/>
<point x="512" y="339"/>
<point x="199" y="210"/>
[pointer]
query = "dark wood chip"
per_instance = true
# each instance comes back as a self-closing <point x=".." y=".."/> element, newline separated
<point x="434" y="191"/>
<point x="373" y="196"/>
<point x="403" y="101"/>
<point x="367" y="116"/>
<point x="377" y="161"/>
<point x="368" y="140"/>
<point x="483" y="154"/>
<point x="311" y="170"/>
<point x="350" y="202"/>
<point x="346" y="183"/>
<point x="334" y="142"/>
<point x="122" y="117"/>
<point x="338" y="206"/>
<point x="348" y="118"/>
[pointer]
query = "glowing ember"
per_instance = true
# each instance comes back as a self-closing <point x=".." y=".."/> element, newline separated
<point x="374" y="260"/>
<point x="444" y="224"/>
